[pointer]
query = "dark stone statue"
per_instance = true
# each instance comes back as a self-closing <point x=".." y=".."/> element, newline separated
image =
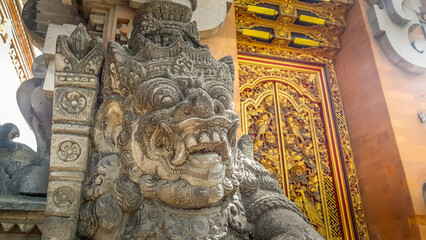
<point x="22" y="170"/>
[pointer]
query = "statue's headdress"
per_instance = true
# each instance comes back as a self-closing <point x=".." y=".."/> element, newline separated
<point x="164" y="43"/>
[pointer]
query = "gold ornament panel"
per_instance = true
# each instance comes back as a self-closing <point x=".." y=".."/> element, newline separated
<point x="287" y="109"/>
<point x="303" y="26"/>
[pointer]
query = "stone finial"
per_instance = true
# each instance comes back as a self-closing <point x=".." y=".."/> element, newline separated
<point x="79" y="53"/>
<point x="79" y="43"/>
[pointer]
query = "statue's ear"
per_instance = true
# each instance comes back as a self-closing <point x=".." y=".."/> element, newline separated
<point x="230" y="62"/>
<point x="108" y="125"/>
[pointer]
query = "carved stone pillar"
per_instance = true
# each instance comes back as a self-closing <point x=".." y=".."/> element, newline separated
<point x="78" y="63"/>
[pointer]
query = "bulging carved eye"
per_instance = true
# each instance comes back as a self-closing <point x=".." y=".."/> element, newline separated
<point x="156" y="94"/>
<point x="165" y="96"/>
<point x="222" y="94"/>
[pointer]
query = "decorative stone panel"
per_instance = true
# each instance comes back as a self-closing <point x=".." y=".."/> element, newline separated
<point x="70" y="152"/>
<point x="73" y="104"/>
<point x="74" y="79"/>
<point x="78" y="63"/>
<point x="59" y="228"/>
<point x="63" y="198"/>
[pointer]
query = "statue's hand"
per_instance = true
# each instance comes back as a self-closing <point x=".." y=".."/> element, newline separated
<point x="284" y="224"/>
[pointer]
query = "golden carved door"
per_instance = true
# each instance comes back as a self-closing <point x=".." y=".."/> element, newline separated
<point x="287" y="110"/>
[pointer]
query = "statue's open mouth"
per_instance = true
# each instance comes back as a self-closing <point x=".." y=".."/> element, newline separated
<point x="197" y="148"/>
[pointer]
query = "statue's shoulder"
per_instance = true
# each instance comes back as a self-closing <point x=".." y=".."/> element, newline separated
<point x="260" y="192"/>
<point x="253" y="176"/>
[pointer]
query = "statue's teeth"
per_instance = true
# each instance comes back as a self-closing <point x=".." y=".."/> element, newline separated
<point x="190" y="141"/>
<point x="204" y="138"/>
<point x="215" y="136"/>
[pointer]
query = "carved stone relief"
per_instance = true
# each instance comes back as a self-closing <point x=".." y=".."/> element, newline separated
<point x="164" y="163"/>
<point x="78" y="64"/>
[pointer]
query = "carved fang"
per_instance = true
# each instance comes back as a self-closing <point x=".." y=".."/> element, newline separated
<point x="180" y="155"/>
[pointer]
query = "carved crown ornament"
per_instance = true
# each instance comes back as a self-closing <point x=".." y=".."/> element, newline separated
<point x="79" y="53"/>
<point x="160" y="159"/>
<point x="392" y="23"/>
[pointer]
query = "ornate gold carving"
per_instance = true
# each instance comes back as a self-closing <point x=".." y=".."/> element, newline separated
<point x="347" y="154"/>
<point x="308" y="56"/>
<point x="261" y="119"/>
<point x="288" y="26"/>
<point x="15" y="38"/>
<point x="306" y="82"/>
<point x="304" y="163"/>
<point x="292" y="120"/>
<point x="290" y="135"/>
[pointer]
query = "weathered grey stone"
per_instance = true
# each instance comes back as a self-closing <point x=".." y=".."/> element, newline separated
<point x="35" y="181"/>
<point x="20" y="217"/>
<point x="49" y="51"/>
<point x="165" y="162"/>
<point x="14" y="158"/>
<point x="56" y="228"/>
<point x="245" y="144"/>
<point x="22" y="203"/>
<point x="71" y="153"/>
<point x="208" y="14"/>
<point x="74" y="104"/>
<point x="63" y="198"/>
<point x="37" y="111"/>
<point x="20" y="166"/>
<point x="78" y="64"/>
<point x="39" y="67"/>
<point x="23" y="170"/>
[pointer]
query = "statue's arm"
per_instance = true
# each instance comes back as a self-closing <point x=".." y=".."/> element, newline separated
<point x="282" y="223"/>
<point x="272" y="215"/>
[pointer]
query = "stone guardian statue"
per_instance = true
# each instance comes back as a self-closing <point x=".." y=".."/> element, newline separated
<point x="164" y="160"/>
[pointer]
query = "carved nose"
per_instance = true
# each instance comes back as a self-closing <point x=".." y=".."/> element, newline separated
<point x="200" y="104"/>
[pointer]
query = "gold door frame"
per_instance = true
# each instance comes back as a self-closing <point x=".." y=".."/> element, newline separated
<point x="337" y="202"/>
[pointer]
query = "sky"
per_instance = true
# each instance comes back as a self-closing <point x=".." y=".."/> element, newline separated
<point x="9" y="110"/>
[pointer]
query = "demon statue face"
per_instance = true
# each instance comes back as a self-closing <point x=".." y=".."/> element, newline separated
<point x="165" y="163"/>
<point x="179" y="129"/>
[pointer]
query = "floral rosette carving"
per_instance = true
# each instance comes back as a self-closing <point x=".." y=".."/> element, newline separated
<point x="63" y="196"/>
<point x="69" y="151"/>
<point x="74" y="102"/>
